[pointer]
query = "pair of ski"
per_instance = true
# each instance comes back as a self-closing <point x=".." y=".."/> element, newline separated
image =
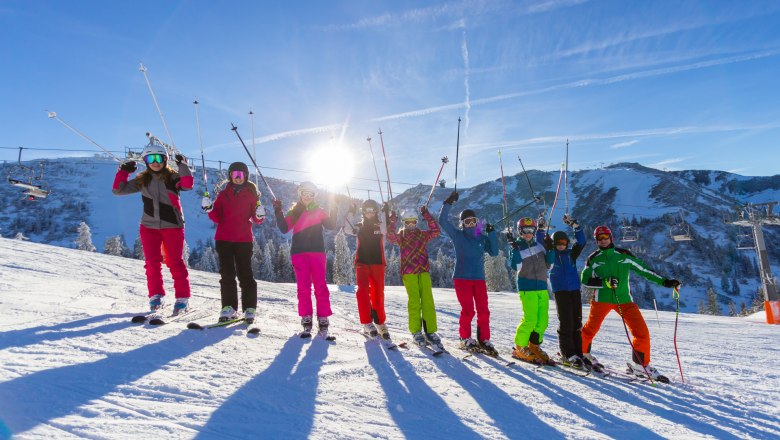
<point x="158" y="317"/>
<point x="477" y="350"/>
<point x="323" y="334"/>
<point x="385" y="342"/>
<point x="247" y="323"/>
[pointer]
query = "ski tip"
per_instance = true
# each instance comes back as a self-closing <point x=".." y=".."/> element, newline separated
<point x="138" y="319"/>
<point x="156" y="321"/>
<point x="253" y="331"/>
<point x="330" y="338"/>
<point x="194" y="326"/>
<point x="305" y="335"/>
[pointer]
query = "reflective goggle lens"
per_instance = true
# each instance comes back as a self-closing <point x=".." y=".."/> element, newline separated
<point x="470" y="221"/>
<point x="307" y="194"/>
<point x="369" y="211"/>
<point x="602" y="237"/>
<point x="527" y="230"/>
<point x="153" y="158"/>
<point x="237" y="175"/>
<point x="561" y="243"/>
<point x="410" y="222"/>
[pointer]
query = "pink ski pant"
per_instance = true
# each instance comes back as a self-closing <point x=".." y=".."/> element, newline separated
<point x="471" y="294"/>
<point x="172" y="239"/>
<point x="310" y="269"/>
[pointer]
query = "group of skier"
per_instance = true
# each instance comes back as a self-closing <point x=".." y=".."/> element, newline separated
<point x="537" y="257"/>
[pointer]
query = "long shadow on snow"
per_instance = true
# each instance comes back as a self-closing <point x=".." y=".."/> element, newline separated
<point x="276" y="403"/>
<point x="602" y="419"/>
<point x="33" y="335"/>
<point x="510" y="416"/>
<point x="681" y="409"/>
<point x="39" y="397"/>
<point x="413" y="405"/>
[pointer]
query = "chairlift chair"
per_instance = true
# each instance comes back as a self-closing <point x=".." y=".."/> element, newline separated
<point x="745" y="241"/>
<point x="24" y="177"/>
<point x="629" y="233"/>
<point x="681" y="232"/>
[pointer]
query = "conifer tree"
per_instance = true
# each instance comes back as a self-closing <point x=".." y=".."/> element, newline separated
<point x="343" y="270"/>
<point x="84" y="239"/>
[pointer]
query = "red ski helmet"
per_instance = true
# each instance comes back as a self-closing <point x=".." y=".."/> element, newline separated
<point x="526" y="222"/>
<point x="603" y="230"/>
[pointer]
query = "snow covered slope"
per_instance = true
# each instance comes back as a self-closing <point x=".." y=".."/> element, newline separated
<point x="72" y="366"/>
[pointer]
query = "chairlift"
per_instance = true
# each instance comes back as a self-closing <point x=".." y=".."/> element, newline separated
<point x="681" y="231"/>
<point x="628" y="233"/>
<point x="745" y="240"/>
<point x="25" y="177"/>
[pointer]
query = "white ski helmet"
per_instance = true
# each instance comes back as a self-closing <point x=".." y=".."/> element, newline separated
<point x="307" y="186"/>
<point x="409" y="215"/>
<point x="154" y="148"/>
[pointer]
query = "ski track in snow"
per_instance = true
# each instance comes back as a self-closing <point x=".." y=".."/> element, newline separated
<point x="73" y="366"/>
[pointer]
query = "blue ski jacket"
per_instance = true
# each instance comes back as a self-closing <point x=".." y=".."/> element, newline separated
<point x="531" y="261"/>
<point x="470" y="246"/>
<point x="563" y="273"/>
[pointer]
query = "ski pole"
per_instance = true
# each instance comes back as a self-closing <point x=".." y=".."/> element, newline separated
<point x="202" y="159"/>
<point x="457" y="154"/>
<point x="257" y="169"/>
<point x="625" y="327"/>
<point x="555" y="200"/>
<point x="254" y="146"/>
<point x="53" y="115"/>
<point x="516" y="211"/>
<point x="387" y="170"/>
<point x="566" y="182"/>
<point x="676" y="296"/>
<point x="503" y="184"/>
<point x="657" y="319"/>
<point x="444" y="160"/>
<point x="371" y="149"/>
<point x="527" y="179"/>
<point x="156" y="104"/>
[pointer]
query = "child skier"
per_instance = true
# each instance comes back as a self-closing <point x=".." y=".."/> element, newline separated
<point x="531" y="260"/>
<point x="471" y="242"/>
<point x="415" y="270"/>
<point x="607" y="271"/>
<point x="370" y="269"/>
<point x="306" y="220"/>
<point x="234" y="211"/>
<point x="565" y="282"/>
<point x="162" y="222"/>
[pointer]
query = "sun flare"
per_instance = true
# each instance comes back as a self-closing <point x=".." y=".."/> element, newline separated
<point x="332" y="166"/>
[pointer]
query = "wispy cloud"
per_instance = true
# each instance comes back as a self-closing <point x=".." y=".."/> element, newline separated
<point x="624" y="144"/>
<point x="667" y="162"/>
<point x="284" y="134"/>
<point x="591" y="82"/>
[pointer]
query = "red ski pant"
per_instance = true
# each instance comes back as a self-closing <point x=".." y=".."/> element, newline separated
<point x="370" y="293"/>
<point x="310" y="269"/>
<point x="634" y="321"/>
<point x="152" y="241"/>
<point x="471" y="294"/>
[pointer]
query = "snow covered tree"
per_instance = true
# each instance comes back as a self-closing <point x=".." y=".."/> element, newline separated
<point x="496" y="274"/>
<point x="712" y="307"/>
<point x="185" y="252"/>
<point x="138" y="249"/>
<point x="265" y="271"/>
<point x="442" y="268"/>
<point x="283" y="265"/>
<point x="115" y="245"/>
<point x="343" y="270"/>
<point x="84" y="239"/>
<point x="20" y="236"/>
<point x="393" y="269"/>
<point x="208" y="261"/>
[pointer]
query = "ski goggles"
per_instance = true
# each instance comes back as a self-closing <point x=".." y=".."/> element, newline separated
<point x="369" y="211"/>
<point x="562" y="243"/>
<point x="527" y="230"/>
<point x="154" y="158"/>
<point x="410" y="222"/>
<point x="602" y="237"/>
<point x="237" y="175"/>
<point x="307" y="194"/>
<point x="470" y="221"/>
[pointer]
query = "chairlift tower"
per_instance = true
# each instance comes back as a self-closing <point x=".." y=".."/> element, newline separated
<point x="755" y="215"/>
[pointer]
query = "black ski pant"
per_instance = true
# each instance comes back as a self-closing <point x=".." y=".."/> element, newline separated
<point x="236" y="259"/>
<point x="569" y="306"/>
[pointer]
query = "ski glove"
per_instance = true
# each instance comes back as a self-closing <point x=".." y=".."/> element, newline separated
<point x="386" y="208"/>
<point x="423" y="209"/>
<point x="548" y="243"/>
<point x="540" y="223"/>
<point x="613" y="283"/>
<point x="206" y="205"/>
<point x="129" y="166"/>
<point x="571" y="221"/>
<point x="452" y="198"/>
<point x="489" y="228"/>
<point x="260" y="211"/>
<point x="671" y="283"/>
<point x="277" y="204"/>
<point x="180" y="158"/>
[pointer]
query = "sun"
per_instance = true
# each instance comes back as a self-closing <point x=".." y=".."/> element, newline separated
<point x="332" y="166"/>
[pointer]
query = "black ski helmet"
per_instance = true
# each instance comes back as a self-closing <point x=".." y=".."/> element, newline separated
<point x="560" y="236"/>
<point x="370" y="204"/>
<point x="239" y="166"/>
<point x="466" y="213"/>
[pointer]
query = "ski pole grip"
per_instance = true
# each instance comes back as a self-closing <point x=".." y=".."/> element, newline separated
<point x="676" y="293"/>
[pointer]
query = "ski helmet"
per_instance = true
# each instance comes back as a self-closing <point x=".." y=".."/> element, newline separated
<point x="560" y="237"/>
<point x="409" y="215"/>
<point x="466" y="213"/>
<point x="154" y="148"/>
<point x="602" y="230"/>
<point x="239" y="166"/>
<point x="526" y="222"/>
<point x="307" y="186"/>
<point x="370" y="204"/>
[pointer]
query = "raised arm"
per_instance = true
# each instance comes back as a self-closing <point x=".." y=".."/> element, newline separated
<point x="121" y="187"/>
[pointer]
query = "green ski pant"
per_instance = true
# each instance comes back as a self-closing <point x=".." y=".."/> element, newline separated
<point x="422" y="313"/>
<point x="536" y="305"/>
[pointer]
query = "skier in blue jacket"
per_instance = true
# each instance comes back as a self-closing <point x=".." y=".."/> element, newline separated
<point x="471" y="242"/>
<point x="565" y="283"/>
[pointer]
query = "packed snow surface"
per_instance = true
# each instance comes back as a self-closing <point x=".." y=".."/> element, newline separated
<point x="73" y="366"/>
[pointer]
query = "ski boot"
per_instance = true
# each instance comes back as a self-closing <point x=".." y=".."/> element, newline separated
<point x="543" y="357"/>
<point x="306" y="323"/>
<point x="419" y="339"/>
<point x="637" y="370"/>
<point x="370" y="330"/>
<point x="468" y="344"/>
<point x="487" y="347"/>
<point x="435" y="341"/>
<point x="249" y="315"/>
<point x="322" y="326"/>
<point x="180" y="306"/>
<point x="525" y="354"/>
<point x="228" y="313"/>
<point x="156" y="302"/>
<point x="592" y="363"/>
<point x="572" y="361"/>
<point x="383" y="332"/>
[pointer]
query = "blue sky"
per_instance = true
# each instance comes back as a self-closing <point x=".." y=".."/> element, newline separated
<point x="674" y="85"/>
